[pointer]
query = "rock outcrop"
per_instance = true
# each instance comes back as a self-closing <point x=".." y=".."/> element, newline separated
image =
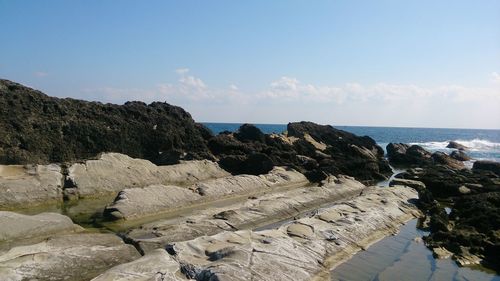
<point x="139" y="202"/>
<point x="487" y="166"/>
<point x="300" y="250"/>
<point x="456" y="145"/>
<point x="260" y="211"/>
<point x="113" y="172"/>
<point x="66" y="257"/>
<point x="401" y="154"/>
<point x="17" y="228"/>
<point x="313" y="149"/>
<point x="157" y="265"/>
<point x="38" y="129"/>
<point x="28" y="185"/>
<point x="460" y="155"/>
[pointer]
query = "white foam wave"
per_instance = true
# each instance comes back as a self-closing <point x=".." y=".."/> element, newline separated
<point x="472" y="145"/>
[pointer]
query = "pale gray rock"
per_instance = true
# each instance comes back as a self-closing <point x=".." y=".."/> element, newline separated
<point x="260" y="211"/>
<point x="157" y="265"/>
<point x="418" y="185"/>
<point x="65" y="257"/>
<point x="28" y="185"/>
<point x="113" y="172"/>
<point x="304" y="249"/>
<point x="133" y="203"/>
<point x="18" y="228"/>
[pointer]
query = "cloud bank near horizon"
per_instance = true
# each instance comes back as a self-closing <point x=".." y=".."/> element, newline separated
<point x="289" y="99"/>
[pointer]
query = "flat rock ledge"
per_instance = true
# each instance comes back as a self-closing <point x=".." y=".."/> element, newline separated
<point x="113" y="172"/>
<point x="66" y="257"/>
<point x="256" y="212"/>
<point x="22" y="186"/>
<point x="304" y="249"/>
<point x="134" y="203"/>
<point x="18" y="229"/>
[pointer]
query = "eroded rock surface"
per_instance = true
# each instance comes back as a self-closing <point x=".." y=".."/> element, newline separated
<point x="25" y="186"/>
<point x="297" y="252"/>
<point x="15" y="227"/>
<point x="138" y="202"/>
<point x="157" y="265"/>
<point x="65" y="257"/>
<point x="113" y="172"/>
<point x="256" y="212"/>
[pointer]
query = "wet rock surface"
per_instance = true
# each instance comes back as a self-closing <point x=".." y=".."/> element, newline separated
<point x="471" y="230"/>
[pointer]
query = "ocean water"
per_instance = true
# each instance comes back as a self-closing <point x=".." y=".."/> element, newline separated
<point x="482" y="144"/>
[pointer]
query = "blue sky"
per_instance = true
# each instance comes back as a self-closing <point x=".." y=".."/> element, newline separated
<point x="379" y="63"/>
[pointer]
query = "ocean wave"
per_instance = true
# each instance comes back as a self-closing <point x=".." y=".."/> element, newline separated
<point x="472" y="145"/>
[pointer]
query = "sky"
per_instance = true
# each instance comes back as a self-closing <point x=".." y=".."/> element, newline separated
<point x="367" y="63"/>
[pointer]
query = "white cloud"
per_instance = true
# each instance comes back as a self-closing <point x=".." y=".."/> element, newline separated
<point x="495" y="77"/>
<point x="288" y="98"/>
<point x="182" y="71"/>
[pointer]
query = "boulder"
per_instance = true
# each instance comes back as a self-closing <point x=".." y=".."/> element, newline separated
<point x="405" y="155"/>
<point x="443" y="159"/>
<point x="487" y="166"/>
<point x="66" y="257"/>
<point x="460" y="155"/>
<point x="252" y="164"/>
<point x="248" y="132"/>
<point x="456" y="145"/>
<point x="113" y="172"/>
<point x="28" y="185"/>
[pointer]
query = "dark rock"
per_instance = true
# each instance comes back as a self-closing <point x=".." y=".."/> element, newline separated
<point x="456" y="145"/>
<point x="40" y="129"/>
<point x="252" y="164"/>
<point x="460" y="155"/>
<point x="443" y="159"/>
<point x="487" y="166"/>
<point x="401" y="154"/>
<point x="248" y="132"/>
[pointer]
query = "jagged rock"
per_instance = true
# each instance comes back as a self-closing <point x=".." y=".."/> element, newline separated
<point x="460" y="155"/>
<point x="136" y="202"/>
<point x="405" y="155"/>
<point x="443" y="159"/>
<point x="25" y="186"/>
<point x="156" y="265"/>
<point x="456" y="145"/>
<point x="40" y="129"/>
<point x="248" y="132"/>
<point x="113" y="172"/>
<point x="66" y="257"/>
<point x="17" y="228"/>
<point x="487" y="166"/>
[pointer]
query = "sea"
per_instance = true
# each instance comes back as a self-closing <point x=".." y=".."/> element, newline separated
<point x="483" y="144"/>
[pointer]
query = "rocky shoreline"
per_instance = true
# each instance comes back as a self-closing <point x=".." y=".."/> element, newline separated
<point x="172" y="201"/>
